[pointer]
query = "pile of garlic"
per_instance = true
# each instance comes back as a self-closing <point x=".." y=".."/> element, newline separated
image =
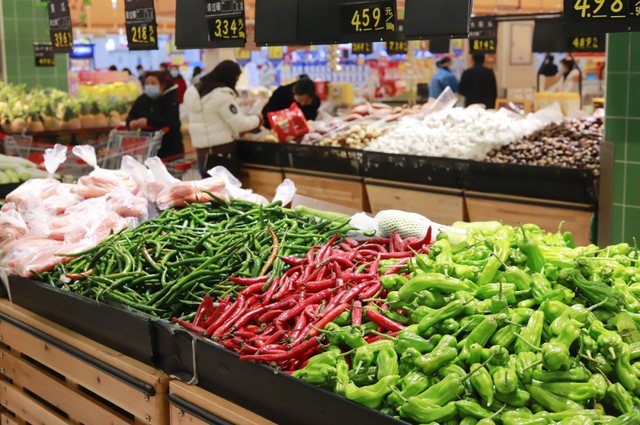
<point x="456" y="133"/>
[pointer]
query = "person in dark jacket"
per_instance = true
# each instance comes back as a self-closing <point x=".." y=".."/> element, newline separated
<point x="302" y="92"/>
<point x="176" y="78"/>
<point x="478" y="84"/>
<point x="158" y="107"/>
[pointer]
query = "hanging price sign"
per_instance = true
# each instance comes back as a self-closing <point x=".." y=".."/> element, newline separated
<point x="44" y="54"/>
<point x="368" y="20"/>
<point x="397" y="47"/>
<point x="586" y="44"/>
<point x="60" y="26"/>
<point x="483" y="34"/>
<point x="482" y="46"/>
<point x="140" y="21"/>
<point x="601" y="16"/>
<point x="362" y="48"/>
<point x="226" y="21"/>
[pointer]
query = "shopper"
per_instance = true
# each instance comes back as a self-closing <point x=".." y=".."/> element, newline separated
<point x="548" y="68"/>
<point x="164" y="68"/>
<point x="443" y="78"/>
<point x="478" y="84"/>
<point x="113" y="68"/>
<point x="127" y="71"/>
<point x="215" y="119"/>
<point x="197" y="74"/>
<point x="140" y="71"/>
<point x="176" y="78"/>
<point x="302" y="92"/>
<point x="569" y="78"/>
<point x="158" y="108"/>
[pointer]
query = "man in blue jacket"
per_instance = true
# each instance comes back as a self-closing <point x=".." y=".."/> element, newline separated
<point x="442" y="79"/>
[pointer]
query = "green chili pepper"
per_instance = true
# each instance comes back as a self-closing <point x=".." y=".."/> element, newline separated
<point x="407" y="361"/>
<point x="450" y="310"/>
<point x="411" y="385"/>
<point x="372" y="395"/>
<point x="550" y="401"/>
<point x="431" y="281"/>
<point x="531" y="333"/>
<point x="483" y="383"/>
<point x="501" y="253"/>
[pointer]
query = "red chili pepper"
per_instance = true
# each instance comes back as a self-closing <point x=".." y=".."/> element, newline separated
<point x="345" y="247"/>
<point x="352" y="293"/>
<point x="206" y="307"/>
<point x="294" y="261"/>
<point x="321" y="285"/>
<point x="337" y="299"/>
<point x="249" y="280"/>
<point x="290" y="314"/>
<point x="267" y="296"/>
<point x="397" y="266"/>
<point x="243" y="333"/>
<point x="219" y="315"/>
<point x="371" y="291"/>
<point x="356" y="277"/>
<point x="310" y="311"/>
<point x="328" y="318"/>
<point x="375" y="266"/>
<point x="269" y="315"/>
<point x="324" y="252"/>
<point x="190" y="326"/>
<point x="425" y="241"/>
<point x="398" y="242"/>
<point x="292" y="271"/>
<point x="293" y="353"/>
<point x="343" y="262"/>
<point x="352" y="242"/>
<point x="373" y="246"/>
<point x="273" y="338"/>
<point x="381" y="241"/>
<point x="356" y="313"/>
<point x="392" y="241"/>
<point x="227" y="315"/>
<point x="310" y="254"/>
<point x="373" y="337"/>
<point x="383" y="322"/>
<point x="386" y="256"/>
<point x="256" y="287"/>
<point x="284" y="288"/>
<point x="76" y="276"/>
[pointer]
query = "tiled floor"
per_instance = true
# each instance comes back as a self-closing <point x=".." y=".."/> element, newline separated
<point x="26" y="22"/>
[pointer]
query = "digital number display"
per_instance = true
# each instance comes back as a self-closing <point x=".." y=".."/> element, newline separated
<point x="45" y="61"/>
<point x="586" y="17"/>
<point x="359" y="18"/>
<point x="227" y="28"/>
<point x="62" y="39"/>
<point x="142" y="34"/>
<point x="140" y="21"/>
<point x="397" y="47"/>
<point x="60" y="26"/>
<point x="362" y="48"/>
<point x="44" y="55"/>
<point x="586" y="43"/>
<point x="483" y="46"/>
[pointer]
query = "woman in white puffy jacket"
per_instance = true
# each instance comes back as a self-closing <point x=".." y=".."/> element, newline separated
<point x="215" y="119"/>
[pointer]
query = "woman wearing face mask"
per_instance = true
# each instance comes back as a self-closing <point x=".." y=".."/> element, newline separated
<point x="176" y="78"/>
<point x="569" y="78"/>
<point x="158" y="108"/>
<point x="215" y="119"/>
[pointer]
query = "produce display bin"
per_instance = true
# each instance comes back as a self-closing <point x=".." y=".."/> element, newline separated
<point x="553" y="183"/>
<point x="260" y="153"/>
<point x="127" y="331"/>
<point x="275" y="396"/>
<point x="326" y="159"/>
<point x="442" y="172"/>
<point x="174" y="350"/>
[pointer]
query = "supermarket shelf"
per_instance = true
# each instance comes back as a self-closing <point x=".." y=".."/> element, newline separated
<point x="72" y="379"/>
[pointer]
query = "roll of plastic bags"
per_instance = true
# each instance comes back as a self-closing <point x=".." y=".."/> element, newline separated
<point x="100" y="181"/>
<point x="158" y="179"/>
<point x="42" y="188"/>
<point x="233" y="186"/>
<point x="127" y="204"/>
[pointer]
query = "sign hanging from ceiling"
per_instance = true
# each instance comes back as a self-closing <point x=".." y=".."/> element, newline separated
<point x="362" y="48"/>
<point x="397" y="47"/>
<point x="585" y="43"/>
<point x="140" y="22"/>
<point x="226" y="21"/>
<point x="585" y="17"/>
<point x="549" y="37"/>
<point x="60" y="26"/>
<point x="276" y="22"/>
<point x="426" y="19"/>
<point x="44" y="54"/>
<point x="483" y="34"/>
<point x="368" y="20"/>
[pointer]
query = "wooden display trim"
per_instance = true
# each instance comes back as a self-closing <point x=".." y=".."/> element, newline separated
<point x="53" y="376"/>
<point x="531" y="201"/>
<point x="181" y="395"/>
<point x="344" y="177"/>
<point x="260" y="167"/>
<point x="413" y="186"/>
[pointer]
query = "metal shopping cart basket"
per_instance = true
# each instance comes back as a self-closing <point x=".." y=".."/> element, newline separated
<point x="183" y="166"/>
<point x="136" y="143"/>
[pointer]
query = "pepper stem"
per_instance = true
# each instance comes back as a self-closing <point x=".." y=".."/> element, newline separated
<point x="613" y="353"/>
<point x="346" y="353"/>
<point x="386" y="336"/>
<point x="358" y="368"/>
<point x="498" y="412"/>
<point x="560" y="227"/>
<point x="534" y="364"/>
<point x="526" y="342"/>
<point x="398" y="393"/>
<point x="603" y="374"/>
<point x="598" y="305"/>
<point x="523" y="232"/>
<point x="461" y="329"/>
<point x="470" y="374"/>
<point x="499" y="259"/>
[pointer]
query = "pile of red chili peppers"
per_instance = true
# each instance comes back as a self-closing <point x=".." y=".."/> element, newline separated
<point x="281" y="323"/>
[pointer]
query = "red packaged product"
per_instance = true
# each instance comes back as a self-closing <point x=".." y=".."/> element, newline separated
<point x="288" y="123"/>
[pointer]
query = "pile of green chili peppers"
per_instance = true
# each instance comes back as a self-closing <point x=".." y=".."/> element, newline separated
<point x="166" y="265"/>
<point x="521" y="328"/>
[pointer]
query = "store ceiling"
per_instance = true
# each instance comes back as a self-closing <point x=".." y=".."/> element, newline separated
<point x="104" y="16"/>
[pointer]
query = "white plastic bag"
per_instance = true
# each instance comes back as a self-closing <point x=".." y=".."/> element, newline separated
<point x="64" y="198"/>
<point x="285" y="192"/>
<point x="139" y="173"/>
<point x="158" y="178"/>
<point x="233" y="186"/>
<point x="34" y="213"/>
<point x="38" y="257"/>
<point x="100" y="182"/>
<point x="42" y="188"/>
<point x="181" y="193"/>
<point x="12" y="227"/>
<point x="127" y="204"/>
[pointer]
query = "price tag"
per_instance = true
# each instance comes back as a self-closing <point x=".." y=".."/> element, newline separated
<point x="60" y="26"/>
<point x="397" y="47"/>
<point x="483" y="46"/>
<point x="140" y="21"/>
<point x="377" y="17"/>
<point x="44" y="54"/>
<point x="362" y="48"/>
<point x="585" y="43"/>
<point x="226" y="20"/>
<point x="601" y="16"/>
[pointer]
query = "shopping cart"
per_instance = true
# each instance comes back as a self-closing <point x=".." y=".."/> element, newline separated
<point x="183" y="166"/>
<point x="140" y="144"/>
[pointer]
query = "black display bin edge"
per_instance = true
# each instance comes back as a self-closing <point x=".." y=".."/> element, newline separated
<point x="293" y="382"/>
<point x="107" y="308"/>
